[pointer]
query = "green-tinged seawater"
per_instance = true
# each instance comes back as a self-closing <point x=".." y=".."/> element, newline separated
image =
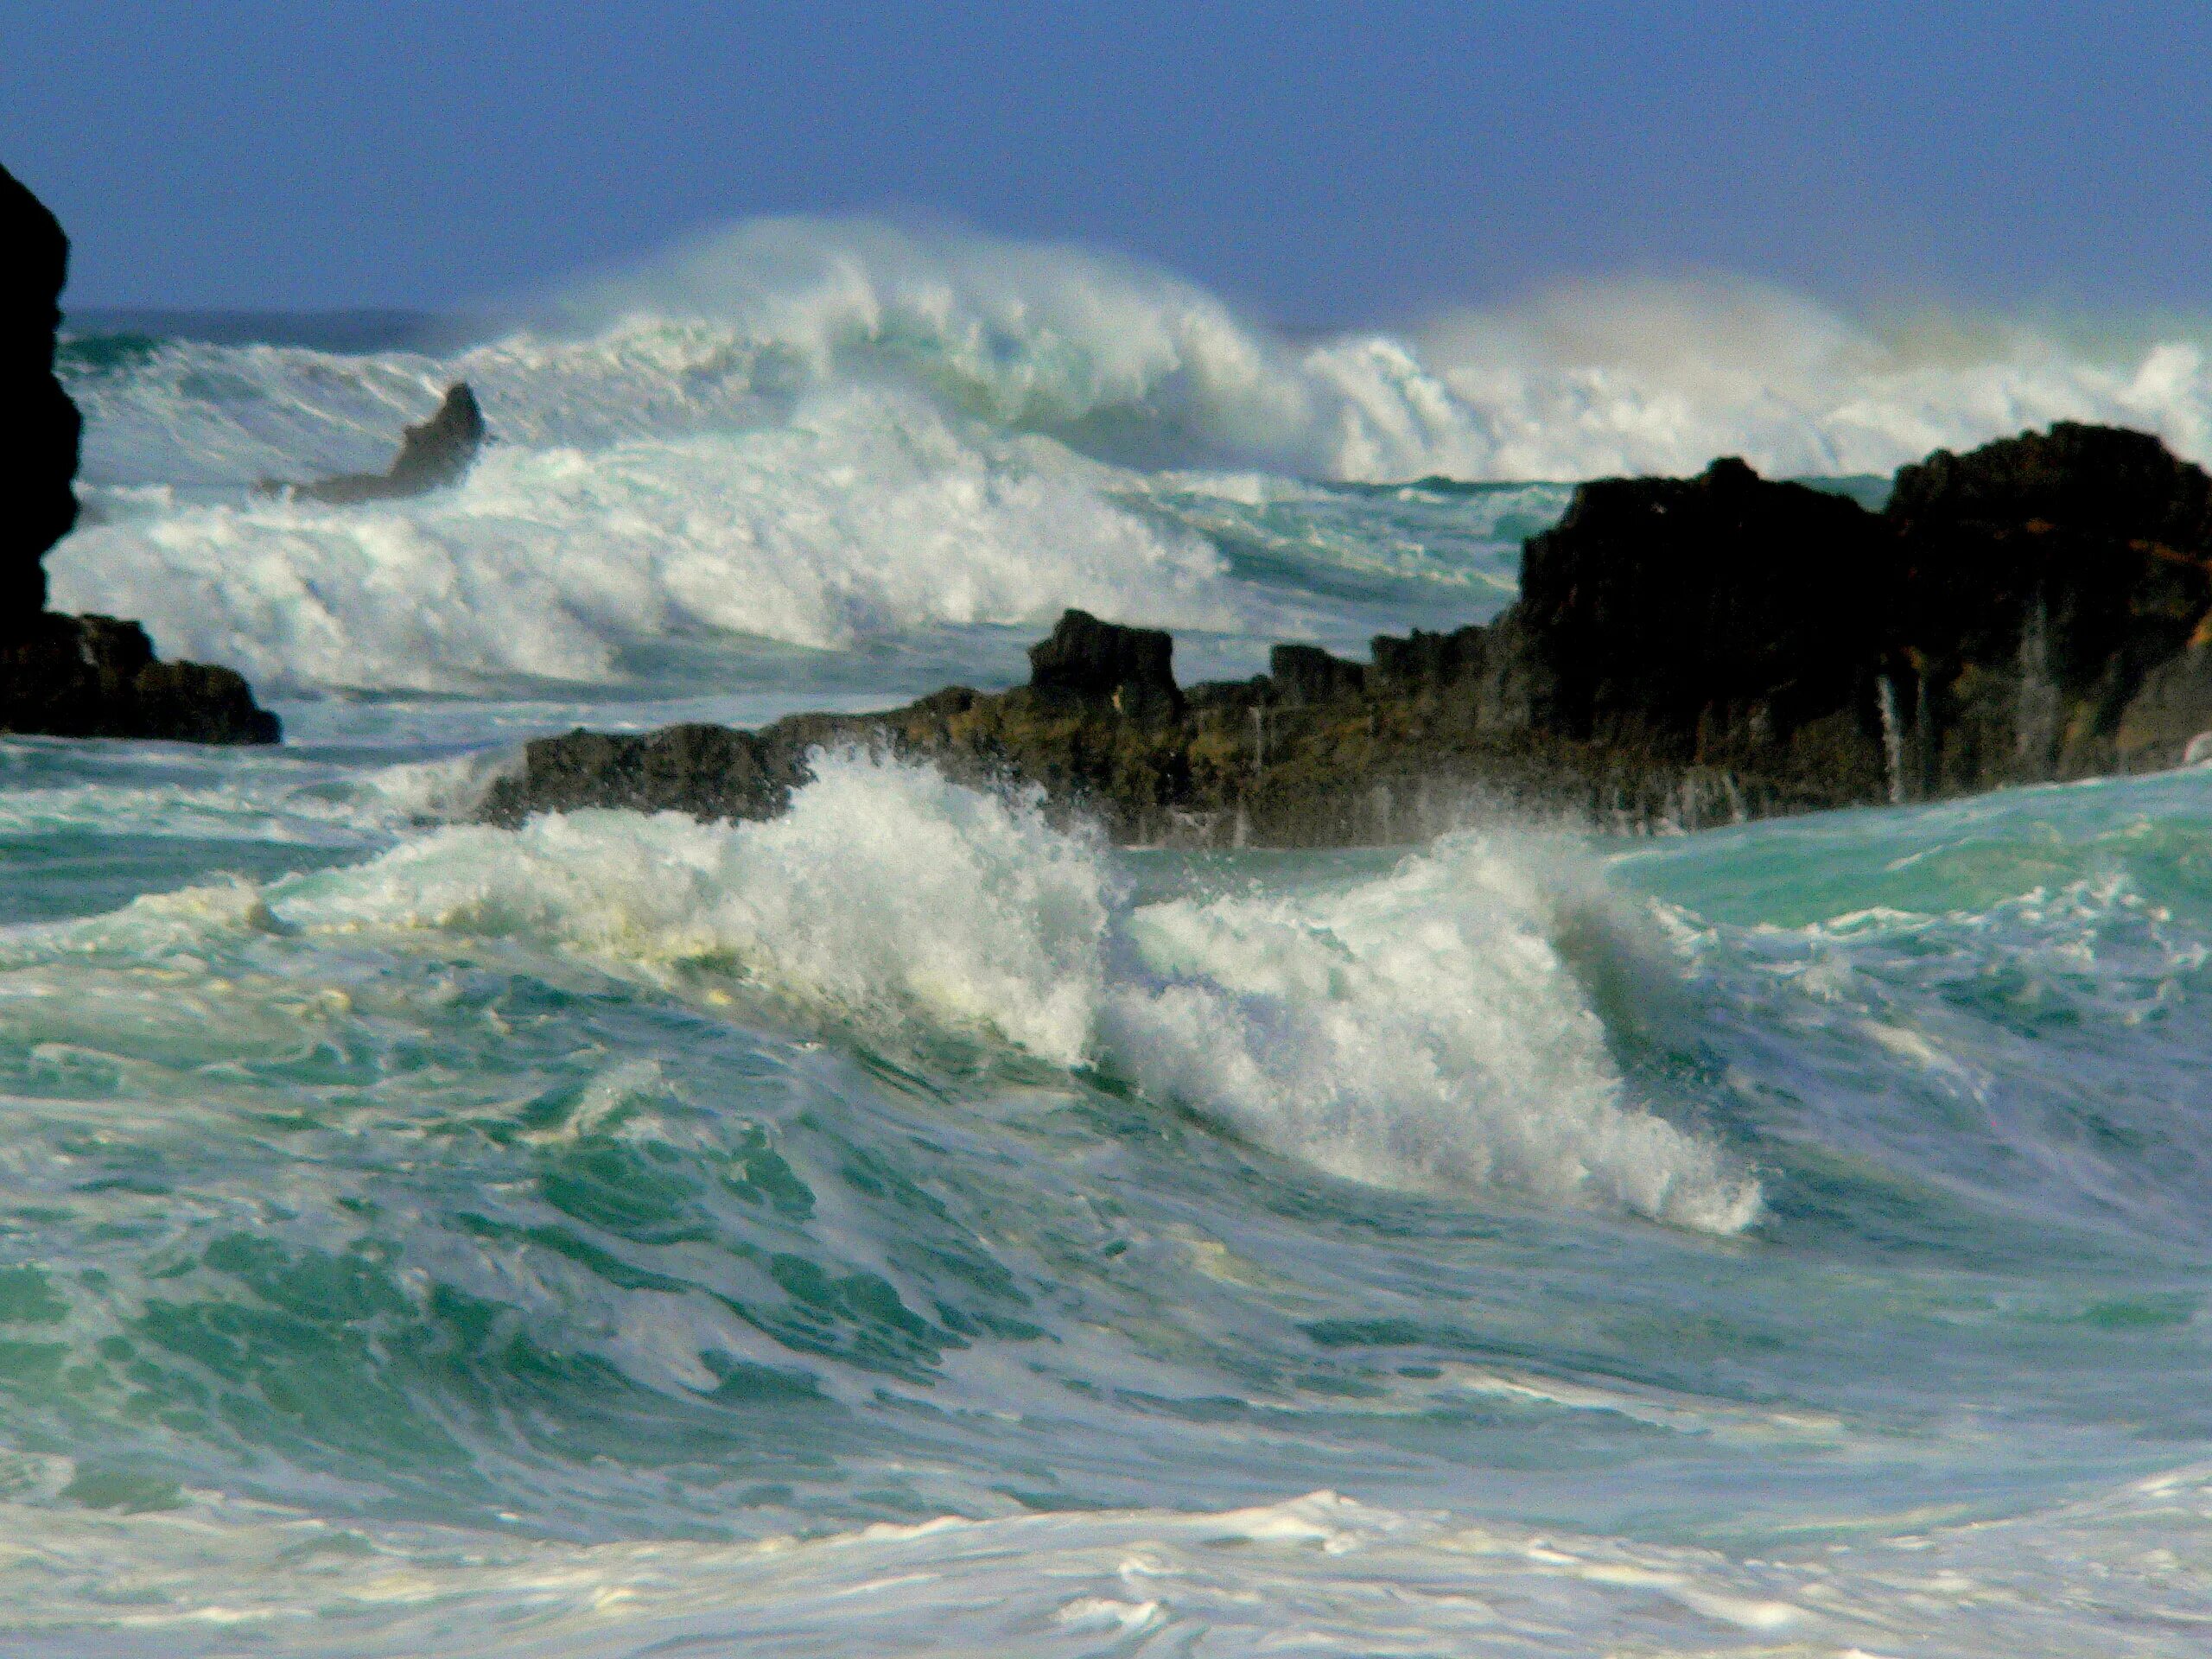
<point x="909" y="1228"/>
<point x="463" y="1197"/>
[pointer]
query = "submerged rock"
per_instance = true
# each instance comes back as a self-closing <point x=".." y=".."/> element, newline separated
<point x="432" y="455"/>
<point x="74" y="676"/>
<point x="1685" y="651"/>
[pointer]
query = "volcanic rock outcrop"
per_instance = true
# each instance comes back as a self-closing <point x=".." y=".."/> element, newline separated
<point x="1685" y="651"/>
<point x="74" y="676"/>
<point x="432" y="454"/>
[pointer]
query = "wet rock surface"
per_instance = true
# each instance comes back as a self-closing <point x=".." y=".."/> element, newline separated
<point x="1686" y="651"/>
<point x="96" y="676"/>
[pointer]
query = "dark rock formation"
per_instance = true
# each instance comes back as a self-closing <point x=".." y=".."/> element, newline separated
<point x="432" y="455"/>
<point x="1721" y="620"/>
<point x="1087" y="661"/>
<point x="74" y="676"/>
<point x="2045" y="582"/>
<point x="1685" y="651"/>
<point x="38" y="450"/>
<point x="95" y="676"/>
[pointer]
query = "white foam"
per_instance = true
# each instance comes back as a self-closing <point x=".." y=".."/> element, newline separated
<point x="1423" y="1029"/>
<point x="818" y="431"/>
<point x="866" y="514"/>
<point x="1582" y="381"/>
<point x="1324" y="1573"/>
<point x="1420" y="1031"/>
<point x="886" y="892"/>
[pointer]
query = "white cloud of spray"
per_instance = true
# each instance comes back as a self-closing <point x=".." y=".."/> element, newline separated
<point x="822" y="430"/>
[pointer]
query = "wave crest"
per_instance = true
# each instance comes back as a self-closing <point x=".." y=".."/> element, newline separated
<point x="1421" y="1030"/>
<point x="864" y="514"/>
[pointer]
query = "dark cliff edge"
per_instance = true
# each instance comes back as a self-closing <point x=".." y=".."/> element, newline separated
<point x="1684" y="652"/>
<point x="74" y="676"/>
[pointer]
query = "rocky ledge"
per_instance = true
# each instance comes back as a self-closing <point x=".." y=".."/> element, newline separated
<point x="74" y="676"/>
<point x="1685" y="651"/>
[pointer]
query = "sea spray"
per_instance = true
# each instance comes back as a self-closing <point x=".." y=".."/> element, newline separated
<point x="1420" y="1030"/>
<point x="1885" y="701"/>
<point x="864" y="516"/>
<point x="824" y="433"/>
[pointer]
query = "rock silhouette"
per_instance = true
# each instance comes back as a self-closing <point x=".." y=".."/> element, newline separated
<point x="74" y="676"/>
<point x="432" y="455"/>
<point x="38" y="453"/>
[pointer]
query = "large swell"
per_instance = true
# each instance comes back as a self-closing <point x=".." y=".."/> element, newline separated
<point x="622" y="1230"/>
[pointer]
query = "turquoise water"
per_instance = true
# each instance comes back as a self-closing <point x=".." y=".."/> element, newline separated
<point x="910" y="1227"/>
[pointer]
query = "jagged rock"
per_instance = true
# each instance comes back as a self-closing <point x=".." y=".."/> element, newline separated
<point x="1685" y="651"/>
<point x="1722" y="619"/>
<point x="96" y="677"/>
<point x="1306" y="675"/>
<point x="1429" y="659"/>
<point x="709" y="770"/>
<point x="2044" y="578"/>
<point x="1312" y="761"/>
<point x="1132" y="669"/>
<point x="2169" y="722"/>
<point x="74" y="676"/>
<point x="38" y="450"/>
<point x="437" y="453"/>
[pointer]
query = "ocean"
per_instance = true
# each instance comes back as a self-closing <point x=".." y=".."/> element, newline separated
<point x="912" y="1227"/>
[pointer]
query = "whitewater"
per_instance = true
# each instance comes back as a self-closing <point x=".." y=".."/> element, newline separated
<point x="917" y="1226"/>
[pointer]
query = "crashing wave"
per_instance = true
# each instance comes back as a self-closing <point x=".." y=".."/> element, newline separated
<point x="865" y="514"/>
<point x="1422" y="1030"/>
<point x="817" y="431"/>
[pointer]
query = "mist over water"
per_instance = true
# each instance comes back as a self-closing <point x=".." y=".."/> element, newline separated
<point x="912" y="1226"/>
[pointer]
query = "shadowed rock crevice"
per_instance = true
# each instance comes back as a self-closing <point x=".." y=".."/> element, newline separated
<point x="1686" y="651"/>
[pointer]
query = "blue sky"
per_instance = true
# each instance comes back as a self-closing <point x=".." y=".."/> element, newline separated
<point x="1320" y="163"/>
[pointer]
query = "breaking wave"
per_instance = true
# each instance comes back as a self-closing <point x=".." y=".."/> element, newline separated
<point x="1421" y="1030"/>
<point x="817" y="432"/>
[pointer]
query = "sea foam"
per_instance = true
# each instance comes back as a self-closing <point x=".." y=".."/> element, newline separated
<point x="864" y="514"/>
<point x="1421" y="1030"/>
<point x="817" y="432"/>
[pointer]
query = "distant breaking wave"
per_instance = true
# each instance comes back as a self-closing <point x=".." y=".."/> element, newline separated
<point x="816" y="431"/>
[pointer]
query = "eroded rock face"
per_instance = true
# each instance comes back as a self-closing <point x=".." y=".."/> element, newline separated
<point x="433" y="455"/>
<point x="1086" y="661"/>
<point x="38" y="451"/>
<point x="1685" y="651"/>
<point x="74" y="676"/>
<point x="96" y="676"/>
<point x="2046" y="579"/>
<point x="1331" y="753"/>
<point x="1656" y="604"/>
